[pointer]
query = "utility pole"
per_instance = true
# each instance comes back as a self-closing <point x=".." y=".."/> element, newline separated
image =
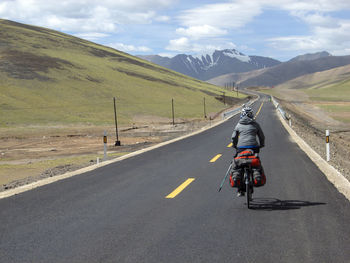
<point x="223" y="94"/>
<point x="205" y="112"/>
<point x="117" y="142"/>
<point x="172" y="107"/>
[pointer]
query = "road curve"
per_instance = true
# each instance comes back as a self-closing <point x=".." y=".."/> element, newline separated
<point x="123" y="213"/>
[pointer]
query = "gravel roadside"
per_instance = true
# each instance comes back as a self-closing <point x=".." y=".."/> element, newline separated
<point x="313" y="132"/>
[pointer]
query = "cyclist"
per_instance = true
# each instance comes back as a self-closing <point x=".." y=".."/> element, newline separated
<point x="244" y="137"/>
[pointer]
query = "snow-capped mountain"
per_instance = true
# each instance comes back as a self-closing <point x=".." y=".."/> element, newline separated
<point x="208" y="66"/>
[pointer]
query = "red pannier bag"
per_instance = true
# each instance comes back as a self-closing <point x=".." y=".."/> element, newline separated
<point x="248" y="157"/>
<point x="259" y="177"/>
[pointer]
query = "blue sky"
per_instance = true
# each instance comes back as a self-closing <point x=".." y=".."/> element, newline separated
<point x="281" y="29"/>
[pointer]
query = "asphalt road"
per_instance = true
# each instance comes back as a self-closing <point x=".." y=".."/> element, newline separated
<point x="120" y="213"/>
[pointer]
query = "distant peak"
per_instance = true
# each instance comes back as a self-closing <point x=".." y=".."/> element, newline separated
<point x="311" y="56"/>
<point x="232" y="53"/>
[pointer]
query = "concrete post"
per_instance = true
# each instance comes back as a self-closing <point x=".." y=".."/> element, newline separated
<point x="327" y="146"/>
<point x="105" y="146"/>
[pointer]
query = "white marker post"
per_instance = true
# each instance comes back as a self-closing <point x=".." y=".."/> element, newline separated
<point x="105" y="146"/>
<point x="327" y="145"/>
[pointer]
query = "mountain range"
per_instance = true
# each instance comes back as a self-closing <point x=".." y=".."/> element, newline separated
<point x="296" y="67"/>
<point x="207" y="66"/>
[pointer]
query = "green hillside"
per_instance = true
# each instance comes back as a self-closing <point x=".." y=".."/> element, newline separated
<point x="328" y="90"/>
<point x="333" y="98"/>
<point x="48" y="77"/>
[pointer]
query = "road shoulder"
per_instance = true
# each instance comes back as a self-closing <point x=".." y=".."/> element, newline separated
<point x="335" y="177"/>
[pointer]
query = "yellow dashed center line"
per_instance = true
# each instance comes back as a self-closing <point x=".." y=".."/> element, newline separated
<point x="230" y="145"/>
<point x="180" y="188"/>
<point x="215" y="158"/>
<point x="256" y="115"/>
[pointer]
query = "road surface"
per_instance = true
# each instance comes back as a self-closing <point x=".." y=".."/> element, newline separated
<point x="121" y="213"/>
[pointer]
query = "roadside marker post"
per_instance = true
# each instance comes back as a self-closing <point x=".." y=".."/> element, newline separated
<point x="105" y="146"/>
<point x="327" y="145"/>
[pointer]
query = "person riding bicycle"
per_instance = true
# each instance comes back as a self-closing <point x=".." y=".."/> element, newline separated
<point x="244" y="137"/>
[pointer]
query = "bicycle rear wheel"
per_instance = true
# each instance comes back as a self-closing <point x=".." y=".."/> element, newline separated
<point x="248" y="194"/>
<point x="247" y="187"/>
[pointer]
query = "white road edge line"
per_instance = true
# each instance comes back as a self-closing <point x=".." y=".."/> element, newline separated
<point x="333" y="175"/>
<point x="56" y="178"/>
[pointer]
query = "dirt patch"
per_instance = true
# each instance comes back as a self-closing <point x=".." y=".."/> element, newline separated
<point x="26" y="65"/>
<point x="33" y="153"/>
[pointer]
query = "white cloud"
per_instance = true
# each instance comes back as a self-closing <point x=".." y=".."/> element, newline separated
<point x="186" y="45"/>
<point x="162" y="18"/>
<point x="326" y="33"/>
<point x="203" y="31"/>
<point x="237" y="14"/>
<point x="169" y="55"/>
<point x="91" y="36"/>
<point x="203" y="27"/>
<point x="311" y="5"/>
<point x="197" y="29"/>
<point x="181" y="45"/>
<point x="295" y="43"/>
<point x="82" y="16"/>
<point x="224" y="15"/>
<point x="221" y="19"/>
<point x="129" y="48"/>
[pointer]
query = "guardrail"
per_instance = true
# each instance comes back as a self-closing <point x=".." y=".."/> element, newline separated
<point x="231" y="113"/>
<point x="280" y="109"/>
<point x="237" y="110"/>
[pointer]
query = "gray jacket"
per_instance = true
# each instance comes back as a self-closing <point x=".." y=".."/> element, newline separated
<point x="245" y="133"/>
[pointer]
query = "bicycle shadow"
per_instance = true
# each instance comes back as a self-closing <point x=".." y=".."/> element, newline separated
<point x="271" y="204"/>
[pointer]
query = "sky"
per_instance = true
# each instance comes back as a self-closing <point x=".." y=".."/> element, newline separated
<point x="280" y="29"/>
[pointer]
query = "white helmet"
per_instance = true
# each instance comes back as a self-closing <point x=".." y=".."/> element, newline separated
<point x="247" y="111"/>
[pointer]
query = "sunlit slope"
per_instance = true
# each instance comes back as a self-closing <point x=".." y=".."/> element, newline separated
<point x="50" y="77"/>
<point x="329" y="85"/>
<point x="329" y="90"/>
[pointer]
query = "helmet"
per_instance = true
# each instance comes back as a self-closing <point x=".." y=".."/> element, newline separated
<point x="247" y="111"/>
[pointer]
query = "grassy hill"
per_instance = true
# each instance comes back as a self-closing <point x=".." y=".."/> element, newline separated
<point x="324" y="85"/>
<point x="329" y="90"/>
<point x="48" y="77"/>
